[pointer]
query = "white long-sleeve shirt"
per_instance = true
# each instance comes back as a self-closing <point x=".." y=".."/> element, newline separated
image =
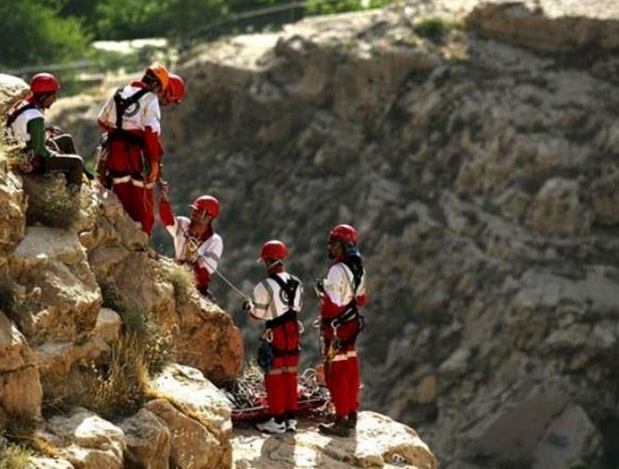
<point x="144" y="113"/>
<point x="206" y="254"/>
<point x="269" y="302"/>
<point x="339" y="284"/>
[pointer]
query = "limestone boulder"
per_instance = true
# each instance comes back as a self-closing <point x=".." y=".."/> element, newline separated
<point x="64" y="297"/>
<point x="12" y="89"/>
<point x="62" y="363"/>
<point x="86" y="440"/>
<point x="379" y="442"/>
<point x="41" y="462"/>
<point x="209" y="340"/>
<point x="148" y="441"/>
<point x="106" y="225"/>
<point x="569" y="436"/>
<point x="55" y="360"/>
<point x="12" y="207"/>
<point x="191" y="444"/>
<point x="20" y="386"/>
<point x="197" y="397"/>
<point x="547" y="25"/>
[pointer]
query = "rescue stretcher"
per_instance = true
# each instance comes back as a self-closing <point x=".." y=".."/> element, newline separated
<point x="248" y="397"/>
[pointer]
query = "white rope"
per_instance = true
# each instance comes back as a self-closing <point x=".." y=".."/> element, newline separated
<point x="231" y="285"/>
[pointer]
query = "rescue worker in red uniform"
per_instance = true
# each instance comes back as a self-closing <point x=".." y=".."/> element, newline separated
<point x="342" y="293"/>
<point x="46" y="148"/>
<point x="195" y="241"/>
<point x="131" y="119"/>
<point x="277" y="300"/>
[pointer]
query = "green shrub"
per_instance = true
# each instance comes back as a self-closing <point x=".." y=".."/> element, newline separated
<point x="433" y="28"/>
<point x="322" y="7"/>
<point x="54" y="206"/>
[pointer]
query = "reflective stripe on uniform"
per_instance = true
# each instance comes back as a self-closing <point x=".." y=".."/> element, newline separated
<point x="135" y="182"/>
<point x="270" y="305"/>
<point x="121" y="180"/>
<point x="139" y="183"/>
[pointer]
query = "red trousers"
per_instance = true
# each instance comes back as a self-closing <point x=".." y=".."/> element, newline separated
<point x="342" y="368"/>
<point x="282" y="380"/>
<point x="124" y="161"/>
<point x="138" y="202"/>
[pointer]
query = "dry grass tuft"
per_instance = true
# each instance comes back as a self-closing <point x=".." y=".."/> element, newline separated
<point x="120" y="387"/>
<point x="181" y="277"/>
<point x="159" y="345"/>
<point x="22" y="444"/>
<point x="13" y="456"/>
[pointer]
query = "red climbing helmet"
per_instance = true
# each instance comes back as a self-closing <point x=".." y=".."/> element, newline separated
<point x="44" y="83"/>
<point x="175" y="91"/>
<point x="203" y="206"/>
<point x="345" y="233"/>
<point x="273" y="249"/>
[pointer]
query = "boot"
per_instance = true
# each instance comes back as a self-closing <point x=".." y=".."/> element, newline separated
<point x="272" y="426"/>
<point x="291" y="425"/>
<point x="352" y="421"/>
<point x="337" y="428"/>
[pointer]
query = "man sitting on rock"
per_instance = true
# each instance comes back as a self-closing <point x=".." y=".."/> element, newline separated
<point x="47" y="149"/>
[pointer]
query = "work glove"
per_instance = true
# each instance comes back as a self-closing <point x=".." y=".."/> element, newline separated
<point x="319" y="287"/>
<point x="154" y="173"/>
<point x="248" y="306"/>
<point x="162" y="187"/>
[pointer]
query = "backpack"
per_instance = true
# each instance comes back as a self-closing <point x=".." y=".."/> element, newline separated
<point x="122" y="104"/>
<point x="354" y="262"/>
<point x="287" y="289"/>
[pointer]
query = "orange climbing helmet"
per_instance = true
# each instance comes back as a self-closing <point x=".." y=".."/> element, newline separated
<point x="161" y="73"/>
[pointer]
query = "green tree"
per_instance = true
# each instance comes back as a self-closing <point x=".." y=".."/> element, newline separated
<point x="120" y="19"/>
<point x="327" y="7"/>
<point x="31" y="33"/>
<point x="85" y="10"/>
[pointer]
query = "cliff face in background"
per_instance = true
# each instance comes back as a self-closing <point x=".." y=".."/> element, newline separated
<point x="479" y="165"/>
